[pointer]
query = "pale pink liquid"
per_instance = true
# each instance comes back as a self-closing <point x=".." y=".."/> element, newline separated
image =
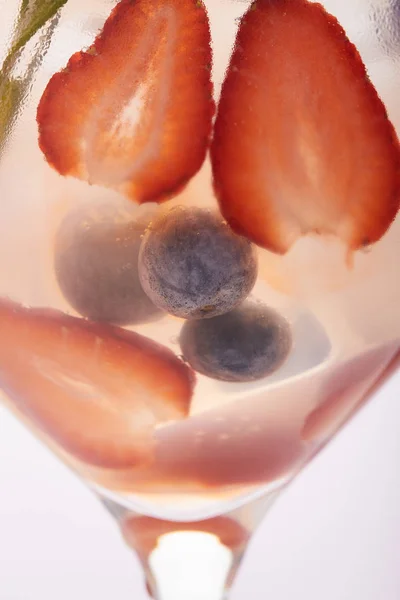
<point x="239" y="439"/>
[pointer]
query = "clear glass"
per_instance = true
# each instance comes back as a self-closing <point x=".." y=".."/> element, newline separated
<point x="190" y="511"/>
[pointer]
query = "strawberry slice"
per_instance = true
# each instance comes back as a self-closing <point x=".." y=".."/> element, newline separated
<point x="302" y="142"/>
<point x="96" y="393"/>
<point x="134" y="111"/>
<point x="349" y="386"/>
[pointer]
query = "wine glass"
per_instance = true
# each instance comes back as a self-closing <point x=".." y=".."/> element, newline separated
<point x="199" y="253"/>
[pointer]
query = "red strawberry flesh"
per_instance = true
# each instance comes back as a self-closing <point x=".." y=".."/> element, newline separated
<point x="134" y="111"/>
<point x="302" y="142"/>
<point x="97" y="393"/>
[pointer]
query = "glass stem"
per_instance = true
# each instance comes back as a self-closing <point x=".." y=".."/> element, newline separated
<point x="187" y="561"/>
<point x="195" y="560"/>
<point x="190" y="566"/>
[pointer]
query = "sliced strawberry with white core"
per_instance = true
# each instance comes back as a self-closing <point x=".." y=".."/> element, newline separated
<point x="134" y="111"/>
<point x="302" y="142"/>
<point x="96" y="393"/>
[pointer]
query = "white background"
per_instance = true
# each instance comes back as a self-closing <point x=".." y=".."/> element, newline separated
<point x="335" y="535"/>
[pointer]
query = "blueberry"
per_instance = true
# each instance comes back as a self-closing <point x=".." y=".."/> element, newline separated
<point x="96" y="266"/>
<point x="193" y="265"/>
<point x="245" y="344"/>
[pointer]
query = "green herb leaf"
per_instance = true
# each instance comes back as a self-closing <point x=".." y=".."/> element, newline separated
<point x="33" y="16"/>
<point x="11" y="94"/>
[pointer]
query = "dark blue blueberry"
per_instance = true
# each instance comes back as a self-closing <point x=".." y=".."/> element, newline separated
<point x="96" y="266"/>
<point x="194" y="266"/>
<point x="245" y="344"/>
